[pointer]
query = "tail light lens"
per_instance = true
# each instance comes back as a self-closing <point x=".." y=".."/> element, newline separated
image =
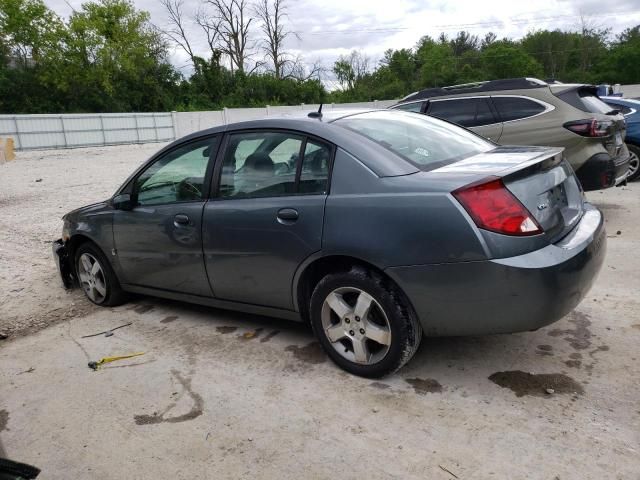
<point x="590" y="127"/>
<point x="493" y="207"/>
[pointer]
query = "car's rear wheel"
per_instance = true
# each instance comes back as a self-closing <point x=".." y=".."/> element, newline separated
<point x="364" y="323"/>
<point x="634" y="162"/>
<point x="96" y="277"/>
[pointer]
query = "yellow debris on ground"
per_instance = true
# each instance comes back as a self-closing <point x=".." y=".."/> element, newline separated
<point x="6" y="150"/>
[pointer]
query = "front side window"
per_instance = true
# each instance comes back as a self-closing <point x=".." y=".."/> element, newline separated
<point x="268" y="164"/>
<point x="467" y="112"/>
<point x="515" y="108"/>
<point x="426" y="142"/>
<point x="177" y="176"/>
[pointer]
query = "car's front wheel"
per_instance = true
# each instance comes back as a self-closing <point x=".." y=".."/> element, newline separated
<point x="363" y="322"/>
<point x="634" y="162"/>
<point x="96" y="277"/>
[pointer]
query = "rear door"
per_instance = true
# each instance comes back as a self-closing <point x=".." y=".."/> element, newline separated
<point x="474" y="113"/>
<point x="267" y="215"/>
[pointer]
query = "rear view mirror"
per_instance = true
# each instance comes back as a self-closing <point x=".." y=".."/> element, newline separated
<point x="122" y="202"/>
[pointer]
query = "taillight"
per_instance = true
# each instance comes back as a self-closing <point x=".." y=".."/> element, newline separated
<point x="493" y="207"/>
<point x="589" y="127"/>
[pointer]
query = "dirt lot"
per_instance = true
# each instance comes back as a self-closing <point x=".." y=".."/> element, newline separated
<point x="227" y="395"/>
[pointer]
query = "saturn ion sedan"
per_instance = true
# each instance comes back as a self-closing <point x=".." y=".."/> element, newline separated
<point x="375" y="227"/>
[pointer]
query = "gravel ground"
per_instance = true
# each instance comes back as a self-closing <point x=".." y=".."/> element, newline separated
<point x="35" y="191"/>
<point x="227" y="395"/>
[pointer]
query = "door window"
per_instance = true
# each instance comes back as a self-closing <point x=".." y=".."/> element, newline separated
<point x="515" y="108"/>
<point x="314" y="177"/>
<point x="266" y="164"/>
<point x="178" y="176"/>
<point x="410" y="107"/>
<point x="468" y="112"/>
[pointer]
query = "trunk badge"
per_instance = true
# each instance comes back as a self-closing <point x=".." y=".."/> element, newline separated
<point x="543" y="206"/>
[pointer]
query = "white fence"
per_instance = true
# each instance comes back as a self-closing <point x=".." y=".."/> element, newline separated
<point x="82" y="130"/>
<point x="31" y="132"/>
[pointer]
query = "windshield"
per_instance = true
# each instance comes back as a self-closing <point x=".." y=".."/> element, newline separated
<point x="426" y="142"/>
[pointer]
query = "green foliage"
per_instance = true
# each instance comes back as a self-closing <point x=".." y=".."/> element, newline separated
<point x="585" y="56"/>
<point x="108" y="57"/>
<point x="504" y="59"/>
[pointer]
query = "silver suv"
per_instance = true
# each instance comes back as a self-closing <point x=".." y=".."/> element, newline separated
<point x="528" y="111"/>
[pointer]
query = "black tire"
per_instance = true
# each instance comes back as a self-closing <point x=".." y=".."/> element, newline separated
<point x="114" y="295"/>
<point x="405" y="330"/>
<point x="634" y="150"/>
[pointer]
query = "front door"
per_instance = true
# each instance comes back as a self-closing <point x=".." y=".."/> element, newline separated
<point x="159" y="242"/>
<point x="267" y="216"/>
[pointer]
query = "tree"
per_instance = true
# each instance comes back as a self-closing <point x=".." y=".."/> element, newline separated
<point x="350" y="69"/>
<point x="115" y="60"/>
<point x="271" y="14"/>
<point x="232" y="23"/>
<point x="505" y="59"/>
<point x="176" y="31"/>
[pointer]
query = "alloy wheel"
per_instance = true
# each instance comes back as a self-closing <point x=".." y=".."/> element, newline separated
<point x="634" y="164"/>
<point x="356" y="325"/>
<point x="92" y="278"/>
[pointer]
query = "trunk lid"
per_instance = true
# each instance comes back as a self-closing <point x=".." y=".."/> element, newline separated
<point x="539" y="177"/>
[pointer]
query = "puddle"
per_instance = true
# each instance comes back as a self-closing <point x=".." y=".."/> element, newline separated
<point x="269" y="336"/>
<point x="573" y="363"/>
<point x="422" y="386"/>
<point x="380" y="385"/>
<point x="580" y="337"/>
<point x="4" y="420"/>
<point x="544" y="350"/>
<point x="311" y="353"/>
<point x="143" y="308"/>
<point x="169" y="319"/>
<point x="224" y="329"/>
<point x="523" y="383"/>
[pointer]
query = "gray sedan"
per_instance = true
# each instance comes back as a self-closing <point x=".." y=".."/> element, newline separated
<point x="373" y="226"/>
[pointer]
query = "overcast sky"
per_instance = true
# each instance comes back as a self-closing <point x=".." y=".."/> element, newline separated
<point x="329" y="28"/>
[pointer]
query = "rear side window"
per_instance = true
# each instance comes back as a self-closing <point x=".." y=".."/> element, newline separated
<point x="468" y="112"/>
<point x="585" y="99"/>
<point x="410" y="107"/>
<point x="426" y="142"/>
<point x="516" y="108"/>
<point x="621" y="108"/>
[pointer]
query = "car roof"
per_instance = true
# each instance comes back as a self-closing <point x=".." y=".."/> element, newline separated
<point x="377" y="158"/>
<point x="506" y="84"/>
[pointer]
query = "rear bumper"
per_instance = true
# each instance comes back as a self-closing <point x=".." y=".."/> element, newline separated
<point x="602" y="171"/>
<point x="507" y="295"/>
<point x="61" y="257"/>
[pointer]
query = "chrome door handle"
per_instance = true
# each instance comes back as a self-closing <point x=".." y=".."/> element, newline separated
<point x="181" y="220"/>
<point x="287" y="215"/>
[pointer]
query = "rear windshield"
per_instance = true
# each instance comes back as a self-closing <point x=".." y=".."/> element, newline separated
<point x="586" y="100"/>
<point x="426" y="142"/>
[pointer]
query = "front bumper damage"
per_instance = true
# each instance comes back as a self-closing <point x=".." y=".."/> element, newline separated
<point x="61" y="256"/>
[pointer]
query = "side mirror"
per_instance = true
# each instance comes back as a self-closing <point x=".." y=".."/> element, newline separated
<point x="122" y="202"/>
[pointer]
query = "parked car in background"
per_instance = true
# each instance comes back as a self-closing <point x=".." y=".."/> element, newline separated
<point x="373" y="226"/>
<point x="630" y="108"/>
<point x="526" y="111"/>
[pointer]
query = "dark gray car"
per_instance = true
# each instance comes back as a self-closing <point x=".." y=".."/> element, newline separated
<point x="373" y="226"/>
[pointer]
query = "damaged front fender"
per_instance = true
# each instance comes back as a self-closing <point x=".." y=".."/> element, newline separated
<point x="65" y="267"/>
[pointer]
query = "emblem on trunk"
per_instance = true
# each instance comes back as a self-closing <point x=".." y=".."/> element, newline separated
<point x="543" y="206"/>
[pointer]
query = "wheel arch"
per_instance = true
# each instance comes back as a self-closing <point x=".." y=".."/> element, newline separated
<point x="316" y="267"/>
